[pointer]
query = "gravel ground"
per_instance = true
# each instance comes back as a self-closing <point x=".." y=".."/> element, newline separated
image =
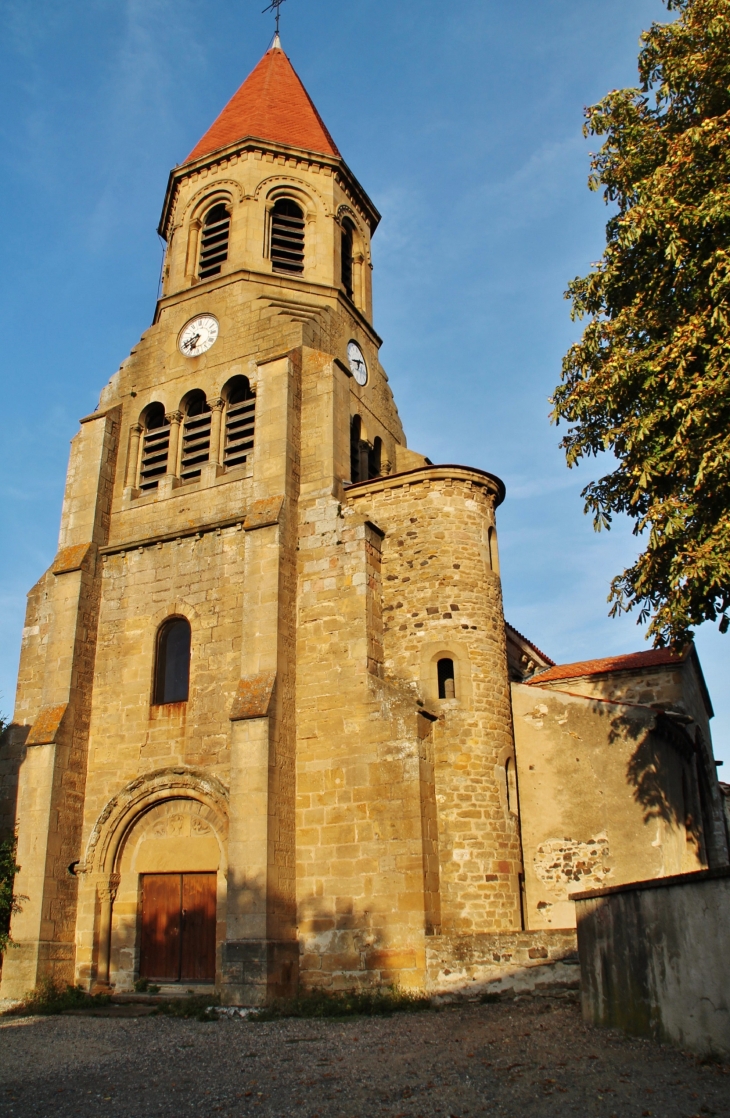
<point x="518" y="1059"/>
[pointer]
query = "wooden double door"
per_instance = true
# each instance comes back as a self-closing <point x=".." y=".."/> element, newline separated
<point x="178" y="927"/>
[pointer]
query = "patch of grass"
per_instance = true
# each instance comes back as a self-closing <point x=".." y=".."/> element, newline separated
<point x="143" y="986"/>
<point x="198" y="1007"/>
<point x="51" y="997"/>
<point x="357" y="1003"/>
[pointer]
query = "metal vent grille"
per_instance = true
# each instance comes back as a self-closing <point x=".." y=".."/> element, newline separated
<point x="287" y="237"/>
<point x="214" y="242"/>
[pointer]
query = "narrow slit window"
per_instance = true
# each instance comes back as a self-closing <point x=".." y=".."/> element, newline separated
<point x="240" y="418"/>
<point x="445" y="669"/>
<point x="172" y="667"/>
<point x="287" y="237"/>
<point x="214" y="241"/>
<point x="155" y="447"/>
<point x="196" y="437"/>
<point x="493" y="553"/>
<point x="348" y="230"/>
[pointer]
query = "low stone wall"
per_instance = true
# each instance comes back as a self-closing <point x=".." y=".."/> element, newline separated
<point x="539" y="962"/>
<point x="654" y="959"/>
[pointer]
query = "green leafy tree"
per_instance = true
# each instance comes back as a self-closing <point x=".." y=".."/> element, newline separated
<point x="649" y="381"/>
<point x="8" y="901"/>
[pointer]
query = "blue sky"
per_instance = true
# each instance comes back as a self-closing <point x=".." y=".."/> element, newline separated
<point x="462" y="121"/>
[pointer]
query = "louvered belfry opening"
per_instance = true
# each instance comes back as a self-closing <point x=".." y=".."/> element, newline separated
<point x="287" y="237"/>
<point x="196" y="436"/>
<point x="240" y="417"/>
<point x="155" y="447"/>
<point x="214" y="241"/>
<point x="347" y="241"/>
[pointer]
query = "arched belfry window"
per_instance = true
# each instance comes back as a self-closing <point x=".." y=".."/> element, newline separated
<point x="172" y="664"/>
<point x="287" y="237"/>
<point x="445" y="670"/>
<point x="348" y="233"/>
<point x="240" y="418"/>
<point x="214" y="241"/>
<point x="196" y="436"/>
<point x="155" y="447"/>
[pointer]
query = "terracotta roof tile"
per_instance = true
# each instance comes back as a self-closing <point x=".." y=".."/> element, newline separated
<point x="272" y="104"/>
<point x="633" y="661"/>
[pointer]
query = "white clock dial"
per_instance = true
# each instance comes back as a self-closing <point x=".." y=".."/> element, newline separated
<point x="356" y="361"/>
<point x="198" y="335"/>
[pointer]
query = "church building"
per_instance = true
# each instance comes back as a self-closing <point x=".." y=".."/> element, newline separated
<point x="272" y="731"/>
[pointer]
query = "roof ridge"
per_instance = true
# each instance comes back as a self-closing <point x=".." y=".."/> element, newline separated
<point x="649" y="657"/>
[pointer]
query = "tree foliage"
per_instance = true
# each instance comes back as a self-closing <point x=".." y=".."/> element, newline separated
<point x="649" y="381"/>
<point x="8" y="902"/>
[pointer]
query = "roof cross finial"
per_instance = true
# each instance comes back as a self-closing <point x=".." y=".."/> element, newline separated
<point x="274" y="6"/>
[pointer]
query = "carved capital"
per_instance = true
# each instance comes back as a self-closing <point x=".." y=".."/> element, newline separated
<point x="174" y="417"/>
<point x="108" y="889"/>
<point x="216" y="404"/>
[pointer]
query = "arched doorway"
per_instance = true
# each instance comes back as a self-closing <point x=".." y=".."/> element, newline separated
<point x="171" y="883"/>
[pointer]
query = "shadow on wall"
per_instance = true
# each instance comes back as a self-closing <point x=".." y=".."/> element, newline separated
<point x="663" y="770"/>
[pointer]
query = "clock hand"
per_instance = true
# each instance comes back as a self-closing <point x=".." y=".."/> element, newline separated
<point x="192" y="342"/>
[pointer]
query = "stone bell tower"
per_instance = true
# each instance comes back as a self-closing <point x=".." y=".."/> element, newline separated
<point x="263" y="704"/>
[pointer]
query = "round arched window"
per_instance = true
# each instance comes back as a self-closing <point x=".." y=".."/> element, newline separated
<point x="172" y="666"/>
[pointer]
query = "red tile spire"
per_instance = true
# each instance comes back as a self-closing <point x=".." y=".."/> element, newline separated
<point x="272" y="104"/>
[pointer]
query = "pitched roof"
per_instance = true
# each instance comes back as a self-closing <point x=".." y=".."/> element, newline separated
<point x="634" y="661"/>
<point x="272" y="104"/>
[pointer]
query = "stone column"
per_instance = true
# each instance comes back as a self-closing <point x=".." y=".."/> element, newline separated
<point x="135" y="434"/>
<point x="358" y="261"/>
<point x="175" y="419"/>
<point x="216" y="418"/>
<point x="171" y="478"/>
<point x="107" y="896"/>
<point x="212" y="468"/>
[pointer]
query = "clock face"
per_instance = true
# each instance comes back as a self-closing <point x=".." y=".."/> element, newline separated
<point x="199" y="335"/>
<point x="356" y="361"/>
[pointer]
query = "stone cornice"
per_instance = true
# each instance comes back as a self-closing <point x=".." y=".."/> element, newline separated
<point x="260" y="514"/>
<point x="248" y="275"/>
<point x="331" y="165"/>
<point x="468" y="474"/>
